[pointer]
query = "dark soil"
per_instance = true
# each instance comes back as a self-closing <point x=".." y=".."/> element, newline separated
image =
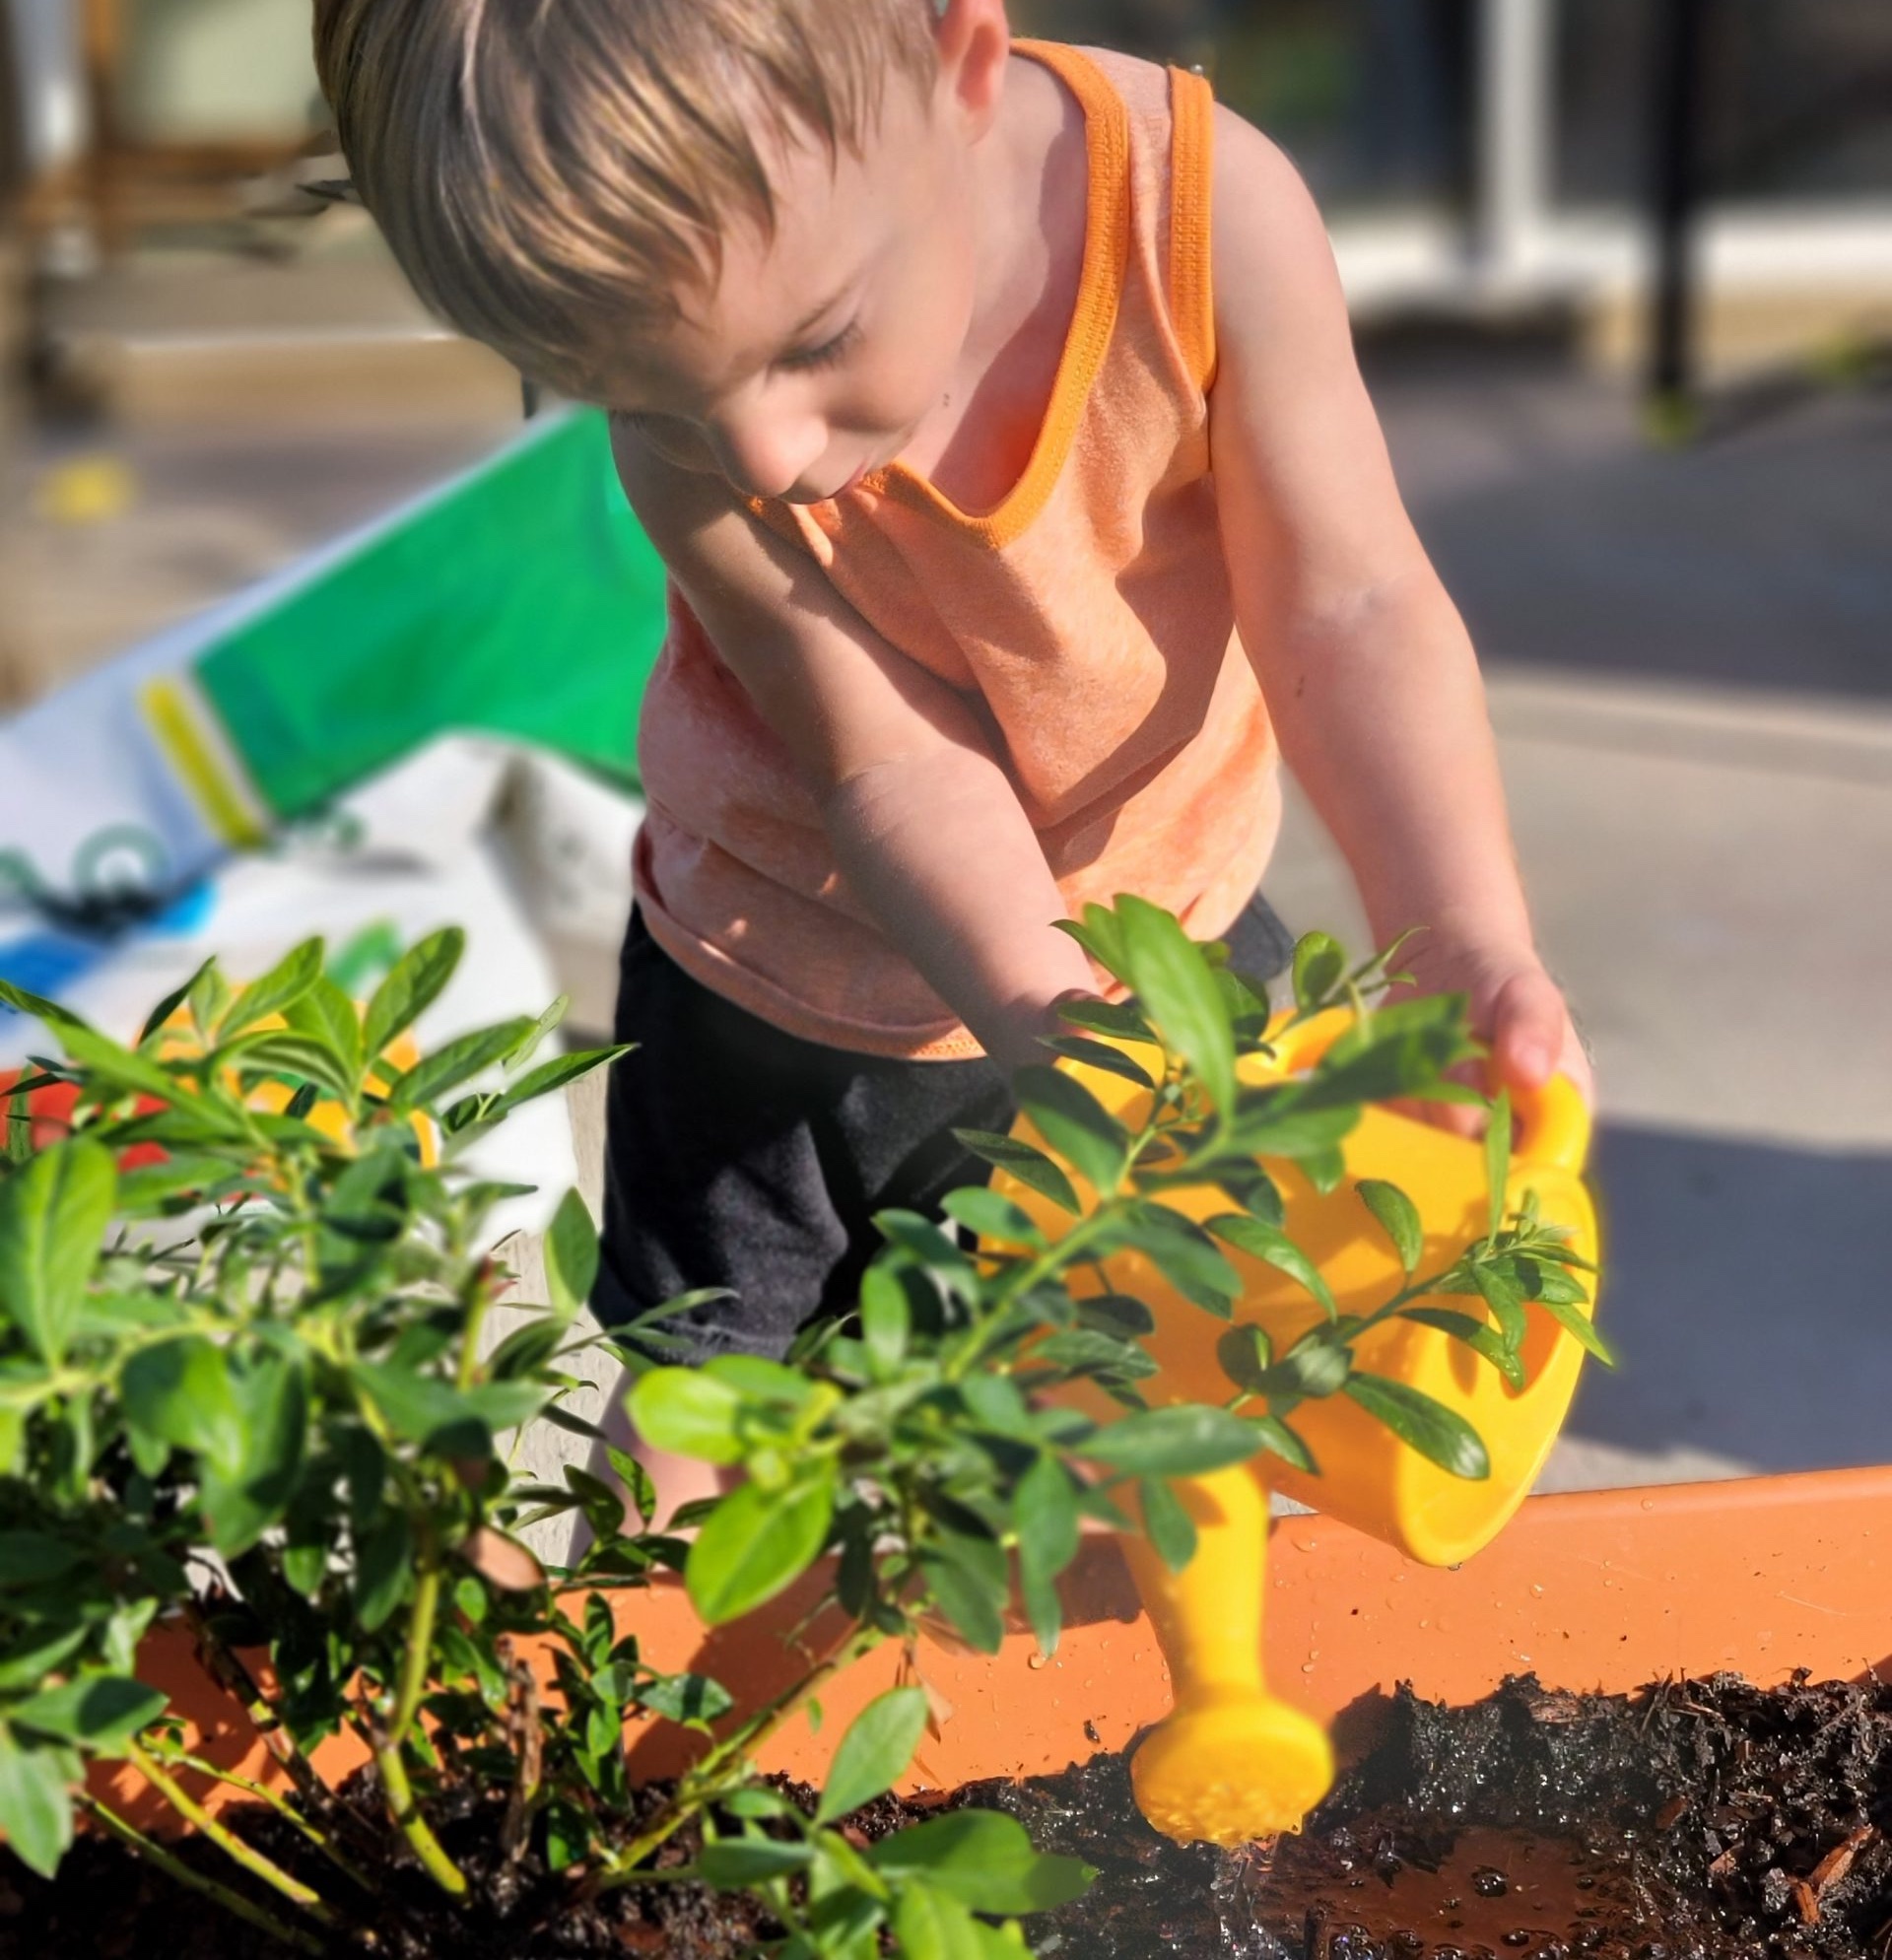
<point x="1692" y="1821"/>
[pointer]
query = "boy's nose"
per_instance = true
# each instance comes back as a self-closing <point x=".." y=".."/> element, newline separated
<point x="767" y="458"/>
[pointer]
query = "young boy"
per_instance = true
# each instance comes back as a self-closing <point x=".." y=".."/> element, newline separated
<point x="993" y="408"/>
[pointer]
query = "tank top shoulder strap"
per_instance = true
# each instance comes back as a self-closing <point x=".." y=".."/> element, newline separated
<point x="1171" y="118"/>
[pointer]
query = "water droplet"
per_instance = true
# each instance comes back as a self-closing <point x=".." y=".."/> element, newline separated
<point x="1307" y="1666"/>
<point x="1649" y="1504"/>
<point x="1536" y="1591"/>
<point x="1038" y="1661"/>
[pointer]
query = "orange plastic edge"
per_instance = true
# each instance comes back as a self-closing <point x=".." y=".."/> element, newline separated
<point x="1596" y="1590"/>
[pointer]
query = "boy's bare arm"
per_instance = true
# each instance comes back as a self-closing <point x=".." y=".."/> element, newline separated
<point x="924" y="823"/>
<point x="1367" y="669"/>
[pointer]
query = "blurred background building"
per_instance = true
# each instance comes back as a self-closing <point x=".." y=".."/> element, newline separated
<point x="1621" y="273"/>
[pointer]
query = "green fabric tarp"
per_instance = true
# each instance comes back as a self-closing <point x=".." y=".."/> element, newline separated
<point x="522" y="599"/>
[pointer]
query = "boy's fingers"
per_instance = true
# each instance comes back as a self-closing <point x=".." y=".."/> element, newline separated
<point x="1528" y="1022"/>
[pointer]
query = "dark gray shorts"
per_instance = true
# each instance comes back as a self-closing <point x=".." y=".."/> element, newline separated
<point x="742" y="1157"/>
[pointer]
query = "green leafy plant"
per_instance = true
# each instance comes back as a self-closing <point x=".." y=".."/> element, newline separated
<point x="247" y="1385"/>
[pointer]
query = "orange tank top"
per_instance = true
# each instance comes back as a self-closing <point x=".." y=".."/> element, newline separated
<point x="1089" y="616"/>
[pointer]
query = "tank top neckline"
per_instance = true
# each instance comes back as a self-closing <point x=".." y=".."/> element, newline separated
<point x="1100" y="281"/>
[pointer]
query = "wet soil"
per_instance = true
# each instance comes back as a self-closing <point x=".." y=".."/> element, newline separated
<point x="1697" y="1820"/>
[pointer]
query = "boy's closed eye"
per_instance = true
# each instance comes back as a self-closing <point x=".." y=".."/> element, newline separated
<point x="829" y="353"/>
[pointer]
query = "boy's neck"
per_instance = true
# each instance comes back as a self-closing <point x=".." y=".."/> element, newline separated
<point x="1031" y="190"/>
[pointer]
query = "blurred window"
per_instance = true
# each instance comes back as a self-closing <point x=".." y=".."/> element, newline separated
<point x="1798" y="99"/>
<point x="1369" y="96"/>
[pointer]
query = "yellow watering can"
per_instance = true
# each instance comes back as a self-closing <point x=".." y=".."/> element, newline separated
<point x="1232" y="1763"/>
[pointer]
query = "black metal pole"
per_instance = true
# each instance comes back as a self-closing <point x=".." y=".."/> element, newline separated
<point x="1675" y="191"/>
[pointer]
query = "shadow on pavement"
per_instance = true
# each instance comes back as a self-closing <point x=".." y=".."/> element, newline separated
<point x="1747" y="1294"/>
<point x="1760" y="557"/>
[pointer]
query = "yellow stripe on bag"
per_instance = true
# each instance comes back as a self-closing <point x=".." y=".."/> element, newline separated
<point x="200" y="756"/>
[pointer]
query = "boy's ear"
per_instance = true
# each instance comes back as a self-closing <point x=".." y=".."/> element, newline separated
<point x="974" y="39"/>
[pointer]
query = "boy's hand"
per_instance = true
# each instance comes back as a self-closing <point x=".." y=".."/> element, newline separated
<point x="1517" y="1009"/>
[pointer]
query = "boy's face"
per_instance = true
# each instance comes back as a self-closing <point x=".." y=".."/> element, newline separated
<point x="817" y="352"/>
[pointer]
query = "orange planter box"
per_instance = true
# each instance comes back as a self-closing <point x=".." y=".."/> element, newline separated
<point x="1598" y="1591"/>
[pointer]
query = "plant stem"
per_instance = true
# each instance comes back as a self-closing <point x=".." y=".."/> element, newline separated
<point x="702" y="1785"/>
<point x="252" y="1861"/>
<point x="408" y="1820"/>
<point x="174" y="1867"/>
<point x="182" y="1759"/>
<point x="418" y="1652"/>
<point x="233" y="1676"/>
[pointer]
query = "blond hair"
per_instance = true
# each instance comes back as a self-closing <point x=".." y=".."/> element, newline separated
<point x="551" y="175"/>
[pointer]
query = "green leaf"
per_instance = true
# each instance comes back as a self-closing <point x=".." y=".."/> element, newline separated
<point x="570" y="1255"/>
<point x="557" y="1073"/>
<point x="684" y="1697"/>
<point x="1074" y="1123"/>
<point x="1023" y="1161"/>
<point x="1482" y="1339"/>
<point x="304" y="1055"/>
<point x="158" y="1017"/>
<point x="1506" y="1302"/>
<point x="1320" y="962"/>
<point x="1498" y="1160"/>
<point x="1441" y="1435"/>
<point x="108" y="1064"/>
<point x="53" y="1218"/>
<point x="1576" y="1323"/>
<point x="1399" y="1218"/>
<point x="1169" y="1527"/>
<point x="1246" y="1354"/>
<point x="991" y="1216"/>
<point x="689" y="1414"/>
<point x="36" y="1805"/>
<point x="1273" y="1128"/>
<point x="1175" y="987"/>
<point x="886" y="1319"/>
<point x="984" y="1860"/>
<point x="1185" y="1255"/>
<point x="37" y="1007"/>
<point x="443" y="1418"/>
<point x="457" y="1061"/>
<point x="151" y="1186"/>
<point x="326" y="1015"/>
<point x="411" y="987"/>
<point x="755" y="1543"/>
<point x="923" y="1241"/>
<point x="1118" y="1018"/>
<point x="96" y="1711"/>
<point x="1270" y="1244"/>
<point x="271" y="1392"/>
<point x="30" y="1558"/>
<point x="384" y="1565"/>
<point x="1315" y="1365"/>
<point x="1101" y="934"/>
<point x="1045" y="1515"/>
<point x="1099" y="1055"/>
<point x="1278" y="1440"/>
<point x="1115" y="1314"/>
<point x="178" y="1391"/>
<point x="1180" y="1442"/>
<point x="879" y="1744"/>
<point x="931" y="1924"/>
<point x="277" y="991"/>
<point x="736" y="1862"/>
<point x="968" y="1598"/>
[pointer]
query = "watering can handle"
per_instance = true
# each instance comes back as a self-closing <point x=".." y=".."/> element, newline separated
<point x="1553" y="1120"/>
